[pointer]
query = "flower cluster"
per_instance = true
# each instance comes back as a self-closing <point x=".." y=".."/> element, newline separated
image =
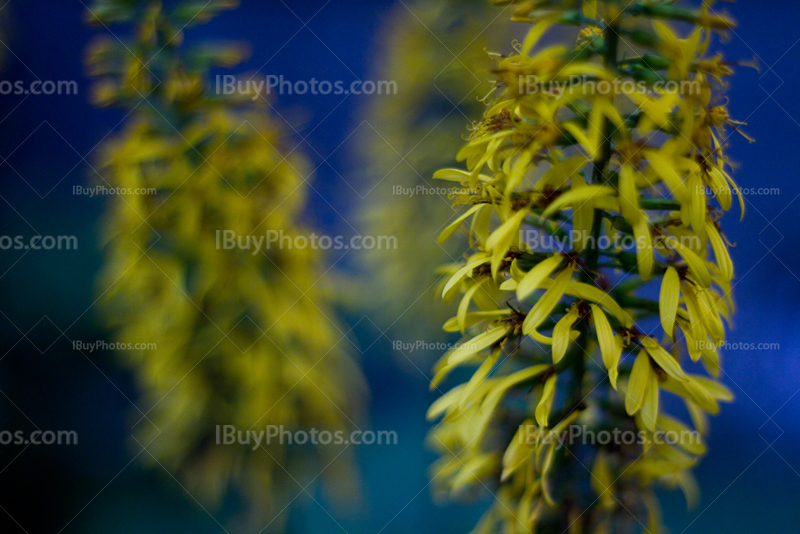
<point x="593" y="335"/>
<point x="241" y="339"/>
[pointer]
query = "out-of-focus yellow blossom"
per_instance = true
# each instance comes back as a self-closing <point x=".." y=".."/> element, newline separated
<point x="436" y="53"/>
<point x="590" y="183"/>
<point x="243" y="337"/>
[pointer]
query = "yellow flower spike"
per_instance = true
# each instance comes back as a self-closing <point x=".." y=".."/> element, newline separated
<point x="653" y="155"/>
<point x="546" y="402"/>
<point x="169" y="282"/>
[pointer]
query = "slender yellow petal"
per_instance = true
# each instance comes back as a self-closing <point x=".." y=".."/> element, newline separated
<point x="724" y="262"/>
<point x="628" y="195"/>
<point x="668" y="300"/>
<point x="561" y="335"/>
<point x="467" y="349"/>
<point x="610" y="347"/>
<point x="644" y="248"/>
<point x="455" y="225"/>
<point x="696" y="266"/>
<point x="501" y="239"/>
<point x="664" y="359"/>
<point x="576" y="197"/>
<point x="637" y="384"/>
<point x="650" y="401"/>
<point x="533" y="279"/>
<point x="546" y="402"/>
<point x="544" y="306"/>
<point x="464" y="271"/>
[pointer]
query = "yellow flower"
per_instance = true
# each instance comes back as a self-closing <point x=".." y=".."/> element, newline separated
<point x="580" y="200"/>
<point x="242" y="337"/>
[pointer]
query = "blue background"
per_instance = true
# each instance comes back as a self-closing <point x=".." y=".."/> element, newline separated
<point x="750" y="481"/>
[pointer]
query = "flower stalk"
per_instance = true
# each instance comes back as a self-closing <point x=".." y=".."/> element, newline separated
<point x="242" y="339"/>
<point x="592" y="142"/>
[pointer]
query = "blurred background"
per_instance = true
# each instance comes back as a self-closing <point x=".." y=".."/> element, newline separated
<point x="750" y="480"/>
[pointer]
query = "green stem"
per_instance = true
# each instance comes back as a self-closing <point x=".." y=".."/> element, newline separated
<point x="576" y="361"/>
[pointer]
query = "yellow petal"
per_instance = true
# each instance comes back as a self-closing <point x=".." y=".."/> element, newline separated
<point x="561" y="335"/>
<point x="668" y="300"/>
<point x="533" y="279"/>
<point x="610" y="348"/>
<point x="544" y="306"/>
<point x="501" y="239"/>
<point x="664" y="359"/>
<point x="546" y="402"/>
<point x="576" y="197"/>
<point x="637" y="384"/>
<point x="480" y="259"/>
<point x="720" y="252"/>
<point x="465" y="350"/>
<point x="696" y="266"/>
<point x="455" y="225"/>
<point x="650" y="401"/>
<point x="644" y="248"/>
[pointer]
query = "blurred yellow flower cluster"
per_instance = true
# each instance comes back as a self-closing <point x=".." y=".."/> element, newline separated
<point x="244" y="338"/>
<point x="599" y="278"/>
